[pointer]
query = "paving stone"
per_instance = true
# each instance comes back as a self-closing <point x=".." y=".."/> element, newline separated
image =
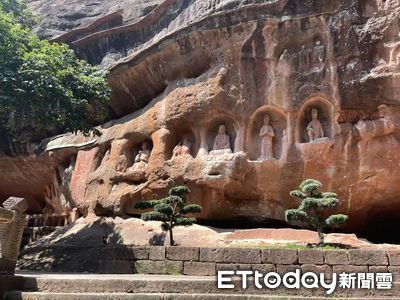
<point x="158" y="267"/>
<point x="378" y="269"/>
<point x="124" y="253"/>
<point x="264" y="268"/>
<point x="336" y="257"/>
<point x="199" y="268"/>
<point x="233" y="267"/>
<point x="156" y="253"/>
<point x="117" y="267"/>
<point x="318" y="269"/>
<point x="368" y="258"/>
<point x="311" y="256"/>
<point x="283" y="269"/>
<point x="230" y="255"/>
<point x="395" y="270"/>
<point x="349" y="269"/>
<point x="182" y="253"/>
<point x="7" y="267"/>
<point x="394" y="257"/>
<point x="279" y="256"/>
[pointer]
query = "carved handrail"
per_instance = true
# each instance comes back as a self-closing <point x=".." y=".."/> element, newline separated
<point x="52" y="220"/>
<point x="6" y="215"/>
<point x="12" y="223"/>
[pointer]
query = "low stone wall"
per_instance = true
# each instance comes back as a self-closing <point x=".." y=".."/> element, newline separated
<point x="7" y="266"/>
<point x="10" y="282"/>
<point x="207" y="261"/>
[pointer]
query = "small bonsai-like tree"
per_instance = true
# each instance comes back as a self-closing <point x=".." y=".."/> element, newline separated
<point x="315" y="209"/>
<point x="170" y="210"/>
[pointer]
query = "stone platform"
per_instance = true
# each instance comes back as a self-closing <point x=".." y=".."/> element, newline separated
<point x="42" y="286"/>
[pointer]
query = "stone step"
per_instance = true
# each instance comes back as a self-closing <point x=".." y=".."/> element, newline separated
<point x="171" y="284"/>
<point x="16" y="295"/>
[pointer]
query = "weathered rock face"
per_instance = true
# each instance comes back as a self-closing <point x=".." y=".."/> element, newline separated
<point x="58" y="17"/>
<point x="180" y="72"/>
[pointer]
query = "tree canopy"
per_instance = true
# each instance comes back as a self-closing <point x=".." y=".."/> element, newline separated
<point x="44" y="88"/>
<point x="19" y="10"/>
<point x="171" y="210"/>
<point x="315" y="209"/>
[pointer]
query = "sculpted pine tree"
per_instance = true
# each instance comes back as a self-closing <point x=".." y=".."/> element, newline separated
<point x="315" y="208"/>
<point x="171" y="210"/>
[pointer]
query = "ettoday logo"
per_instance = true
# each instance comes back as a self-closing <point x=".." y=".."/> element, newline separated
<point x="308" y="280"/>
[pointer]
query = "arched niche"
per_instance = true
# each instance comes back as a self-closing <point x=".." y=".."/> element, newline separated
<point x="325" y="116"/>
<point x="212" y="130"/>
<point x="179" y="133"/>
<point x="134" y="145"/>
<point x="278" y="122"/>
<point x="102" y="155"/>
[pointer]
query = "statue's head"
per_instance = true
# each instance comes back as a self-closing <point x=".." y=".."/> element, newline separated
<point x="317" y="43"/>
<point x="145" y="145"/>
<point x="383" y="110"/>
<point x="267" y="119"/>
<point x="303" y="47"/>
<point x="221" y="129"/>
<point x="186" y="142"/>
<point x="314" y="113"/>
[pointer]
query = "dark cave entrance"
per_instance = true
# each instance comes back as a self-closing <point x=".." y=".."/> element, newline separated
<point x="382" y="227"/>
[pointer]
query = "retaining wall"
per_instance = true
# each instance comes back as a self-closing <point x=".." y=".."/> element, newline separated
<point x="207" y="261"/>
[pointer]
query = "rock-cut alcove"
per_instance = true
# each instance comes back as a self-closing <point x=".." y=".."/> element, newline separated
<point x="134" y="145"/>
<point x="213" y="127"/>
<point x="325" y="116"/>
<point x="278" y="123"/>
<point x="180" y="134"/>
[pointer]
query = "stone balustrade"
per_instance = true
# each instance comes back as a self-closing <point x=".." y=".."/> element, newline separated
<point x="12" y="223"/>
<point x="50" y="220"/>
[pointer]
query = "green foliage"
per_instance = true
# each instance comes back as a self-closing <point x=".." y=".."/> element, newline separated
<point x="44" y="88"/>
<point x="170" y="210"/>
<point x="315" y="208"/>
<point x="19" y="10"/>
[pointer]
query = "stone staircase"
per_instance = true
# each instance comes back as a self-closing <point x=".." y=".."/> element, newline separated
<point x="88" y="286"/>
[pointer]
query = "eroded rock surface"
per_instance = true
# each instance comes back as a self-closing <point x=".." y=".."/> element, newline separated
<point x="189" y="67"/>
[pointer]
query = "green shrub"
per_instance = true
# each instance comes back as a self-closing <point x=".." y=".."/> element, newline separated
<point x="44" y="88"/>
<point x="170" y="210"/>
<point x="315" y="208"/>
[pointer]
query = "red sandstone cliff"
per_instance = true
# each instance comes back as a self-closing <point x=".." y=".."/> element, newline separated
<point x="187" y="67"/>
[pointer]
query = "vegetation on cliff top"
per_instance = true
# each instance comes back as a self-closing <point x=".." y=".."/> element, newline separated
<point x="44" y="88"/>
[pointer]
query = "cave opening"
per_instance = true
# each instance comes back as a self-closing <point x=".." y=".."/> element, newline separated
<point x="381" y="227"/>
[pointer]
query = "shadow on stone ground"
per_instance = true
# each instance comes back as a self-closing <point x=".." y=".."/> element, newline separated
<point x="87" y="250"/>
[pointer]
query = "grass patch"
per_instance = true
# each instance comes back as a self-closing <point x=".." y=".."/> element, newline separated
<point x="293" y="247"/>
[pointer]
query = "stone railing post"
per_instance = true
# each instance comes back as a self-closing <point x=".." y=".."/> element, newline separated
<point x="12" y="223"/>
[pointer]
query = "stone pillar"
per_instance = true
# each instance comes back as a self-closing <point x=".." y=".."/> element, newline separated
<point x="239" y="140"/>
<point x="12" y="223"/>
<point x="203" y="150"/>
<point x="161" y="140"/>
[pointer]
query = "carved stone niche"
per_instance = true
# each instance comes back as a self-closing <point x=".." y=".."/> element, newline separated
<point x="136" y="147"/>
<point x="103" y="155"/>
<point x="135" y="154"/>
<point x="183" y="142"/>
<point x="254" y="140"/>
<point x="213" y="131"/>
<point x="325" y="116"/>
